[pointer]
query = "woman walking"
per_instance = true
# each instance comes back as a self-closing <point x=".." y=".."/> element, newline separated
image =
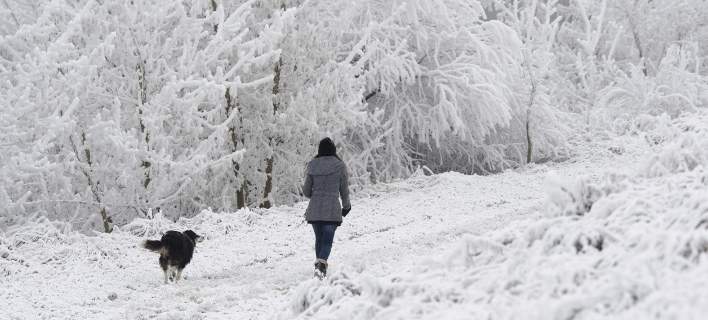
<point x="326" y="181"/>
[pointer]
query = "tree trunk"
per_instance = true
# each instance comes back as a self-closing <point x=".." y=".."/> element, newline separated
<point x="266" y="203"/>
<point x="529" y="144"/>
<point x="242" y="190"/>
<point x="241" y="195"/>
<point x="142" y="92"/>
<point x="638" y="44"/>
<point x="107" y="221"/>
<point x="213" y="8"/>
<point x="93" y="185"/>
<point x="532" y="98"/>
<point x="268" y="185"/>
<point x="144" y="163"/>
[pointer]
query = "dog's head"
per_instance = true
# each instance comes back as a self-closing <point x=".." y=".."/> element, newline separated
<point x="192" y="235"/>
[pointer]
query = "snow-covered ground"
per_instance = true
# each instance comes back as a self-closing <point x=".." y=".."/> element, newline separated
<point x="619" y="230"/>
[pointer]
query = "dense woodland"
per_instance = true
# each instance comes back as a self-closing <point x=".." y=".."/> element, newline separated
<point x="111" y="110"/>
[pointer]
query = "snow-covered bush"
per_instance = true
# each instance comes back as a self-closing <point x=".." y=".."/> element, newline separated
<point x="643" y="123"/>
<point x="685" y="148"/>
<point x="152" y="226"/>
<point x="633" y="56"/>
<point x="686" y="154"/>
<point x="313" y="295"/>
<point x="676" y="87"/>
<point x="32" y="232"/>
<point x="577" y="196"/>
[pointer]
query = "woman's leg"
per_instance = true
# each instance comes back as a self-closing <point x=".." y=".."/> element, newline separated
<point x="318" y="239"/>
<point x="326" y="239"/>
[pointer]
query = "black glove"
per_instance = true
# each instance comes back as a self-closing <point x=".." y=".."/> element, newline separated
<point x="345" y="211"/>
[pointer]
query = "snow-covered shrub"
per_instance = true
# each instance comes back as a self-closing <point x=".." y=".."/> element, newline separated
<point x="359" y="296"/>
<point x="642" y="123"/>
<point x="685" y="154"/>
<point x="208" y="223"/>
<point x="39" y="230"/>
<point x="675" y="88"/>
<point x="633" y="56"/>
<point x="571" y="197"/>
<point x="218" y="224"/>
<point x="18" y="241"/>
<point x="152" y="227"/>
<point x="685" y="147"/>
<point x="475" y="251"/>
<point x="565" y="235"/>
<point x="312" y="295"/>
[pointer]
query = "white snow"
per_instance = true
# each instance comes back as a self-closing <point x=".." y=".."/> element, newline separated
<point x="555" y="241"/>
<point x="110" y="109"/>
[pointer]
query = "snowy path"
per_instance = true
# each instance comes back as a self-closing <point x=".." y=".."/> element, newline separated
<point x="251" y="261"/>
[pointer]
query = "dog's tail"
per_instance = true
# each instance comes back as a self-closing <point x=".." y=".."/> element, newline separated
<point x="153" y="245"/>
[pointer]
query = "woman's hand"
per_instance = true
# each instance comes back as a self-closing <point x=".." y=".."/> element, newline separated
<point x="345" y="211"/>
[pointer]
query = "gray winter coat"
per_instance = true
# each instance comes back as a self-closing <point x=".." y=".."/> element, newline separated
<point x="326" y="181"/>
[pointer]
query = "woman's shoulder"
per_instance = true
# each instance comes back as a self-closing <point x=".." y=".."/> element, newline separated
<point x="325" y="159"/>
<point x="325" y="165"/>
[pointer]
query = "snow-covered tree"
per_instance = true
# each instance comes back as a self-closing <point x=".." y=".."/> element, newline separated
<point x="537" y="22"/>
<point x="408" y="83"/>
<point x="139" y="105"/>
<point x="675" y="87"/>
<point x="112" y="109"/>
<point x="640" y="33"/>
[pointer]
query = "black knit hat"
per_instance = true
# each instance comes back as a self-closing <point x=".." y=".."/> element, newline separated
<point x="326" y="148"/>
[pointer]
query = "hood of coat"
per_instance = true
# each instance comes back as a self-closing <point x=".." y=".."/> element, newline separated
<point x="324" y="166"/>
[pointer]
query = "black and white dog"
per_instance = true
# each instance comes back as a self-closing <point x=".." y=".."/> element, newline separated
<point x="176" y="249"/>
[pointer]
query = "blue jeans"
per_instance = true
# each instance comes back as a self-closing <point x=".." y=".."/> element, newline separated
<point x="324" y="236"/>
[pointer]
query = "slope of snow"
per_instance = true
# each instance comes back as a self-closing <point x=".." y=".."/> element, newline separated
<point x="629" y="245"/>
<point x="618" y="230"/>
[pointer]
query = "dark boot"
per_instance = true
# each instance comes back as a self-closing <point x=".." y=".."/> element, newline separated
<point x="321" y="268"/>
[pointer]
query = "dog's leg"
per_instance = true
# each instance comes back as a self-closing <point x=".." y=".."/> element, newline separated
<point x="171" y="271"/>
<point x="179" y="275"/>
<point x="163" y="265"/>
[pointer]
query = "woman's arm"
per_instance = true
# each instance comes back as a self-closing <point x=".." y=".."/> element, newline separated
<point x="307" y="188"/>
<point x="344" y="188"/>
